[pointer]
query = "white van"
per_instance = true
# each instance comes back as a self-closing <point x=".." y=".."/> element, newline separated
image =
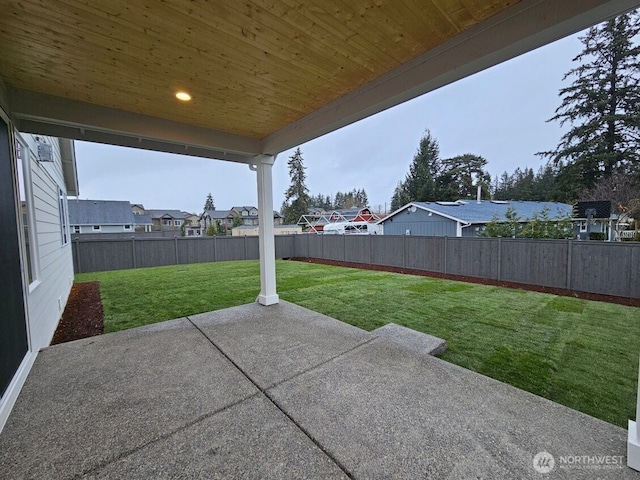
<point x="352" y="228"/>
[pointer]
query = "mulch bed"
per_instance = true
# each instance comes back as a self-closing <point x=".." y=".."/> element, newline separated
<point x="83" y="316"/>
<point x="632" y="302"/>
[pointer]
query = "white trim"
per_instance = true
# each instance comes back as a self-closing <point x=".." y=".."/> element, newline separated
<point x="34" y="255"/>
<point x="13" y="390"/>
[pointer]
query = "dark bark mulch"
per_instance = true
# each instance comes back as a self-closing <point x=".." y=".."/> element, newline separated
<point x="632" y="302"/>
<point x="83" y="316"/>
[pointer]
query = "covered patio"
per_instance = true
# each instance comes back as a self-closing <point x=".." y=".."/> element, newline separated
<point x="247" y="389"/>
<point x="284" y="392"/>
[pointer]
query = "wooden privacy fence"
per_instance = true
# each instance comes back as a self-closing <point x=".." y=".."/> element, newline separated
<point x="587" y="266"/>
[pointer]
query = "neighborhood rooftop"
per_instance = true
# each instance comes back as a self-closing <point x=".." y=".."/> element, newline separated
<point x="105" y="212"/>
<point x="470" y="211"/>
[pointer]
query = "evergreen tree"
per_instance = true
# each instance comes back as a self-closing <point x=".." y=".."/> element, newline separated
<point x="602" y="107"/>
<point x="296" y="200"/>
<point x="420" y="184"/>
<point x="461" y="177"/>
<point x="208" y="204"/>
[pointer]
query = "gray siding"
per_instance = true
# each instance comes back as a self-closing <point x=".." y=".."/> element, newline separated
<point x="420" y="223"/>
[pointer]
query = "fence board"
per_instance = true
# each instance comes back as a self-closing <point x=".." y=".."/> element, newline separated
<point x="155" y="252"/>
<point x="388" y="250"/>
<point x="537" y="262"/>
<point x="425" y="253"/>
<point x="230" y="248"/>
<point x="476" y="257"/>
<point x="334" y="247"/>
<point x="358" y="248"/>
<point x="286" y="246"/>
<point x="196" y="250"/>
<point x="596" y="270"/>
<point x="98" y="256"/>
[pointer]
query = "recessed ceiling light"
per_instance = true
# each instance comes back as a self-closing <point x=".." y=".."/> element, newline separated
<point x="183" y="96"/>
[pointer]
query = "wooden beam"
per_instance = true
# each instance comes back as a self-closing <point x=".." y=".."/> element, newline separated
<point x="48" y="115"/>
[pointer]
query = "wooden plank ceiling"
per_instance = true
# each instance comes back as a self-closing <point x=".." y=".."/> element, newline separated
<point x="265" y="75"/>
<point x="251" y="66"/>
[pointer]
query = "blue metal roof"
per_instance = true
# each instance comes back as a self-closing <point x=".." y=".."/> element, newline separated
<point x="470" y="211"/>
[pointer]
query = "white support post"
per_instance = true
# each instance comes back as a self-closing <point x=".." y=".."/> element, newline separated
<point x="633" y="437"/>
<point x="264" y="167"/>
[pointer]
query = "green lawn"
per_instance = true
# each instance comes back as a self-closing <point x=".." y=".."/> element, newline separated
<point x="575" y="352"/>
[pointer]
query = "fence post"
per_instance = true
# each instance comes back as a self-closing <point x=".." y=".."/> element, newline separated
<point x="175" y="243"/>
<point x="404" y="251"/>
<point x="445" y="254"/>
<point x="370" y="250"/>
<point x="78" y="254"/>
<point x="133" y="250"/>
<point x="499" y="258"/>
<point x="215" y="248"/>
<point x="244" y="244"/>
<point x="569" y="266"/>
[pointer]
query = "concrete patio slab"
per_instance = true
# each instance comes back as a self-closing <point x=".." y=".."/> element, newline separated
<point x="252" y="439"/>
<point x="276" y="343"/>
<point x="88" y="402"/>
<point x="384" y="412"/>
<point x="179" y="400"/>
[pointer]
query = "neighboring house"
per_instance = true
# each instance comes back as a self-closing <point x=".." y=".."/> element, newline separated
<point x="225" y="217"/>
<point x="248" y="214"/>
<point x="166" y="220"/>
<point x="138" y="209"/>
<point x="142" y="219"/>
<point x="192" y="225"/>
<point x="463" y="218"/>
<point x="37" y="264"/>
<point x="102" y="216"/>
<point x="249" y="230"/>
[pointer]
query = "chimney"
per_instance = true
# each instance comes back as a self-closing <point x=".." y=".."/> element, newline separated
<point x="479" y="194"/>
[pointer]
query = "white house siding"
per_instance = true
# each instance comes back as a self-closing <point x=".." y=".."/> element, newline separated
<point x="105" y="229"/>
<point x="48" y="297"/>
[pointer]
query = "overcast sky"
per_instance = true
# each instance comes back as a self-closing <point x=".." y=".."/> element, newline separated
<point x="499" y="113"/>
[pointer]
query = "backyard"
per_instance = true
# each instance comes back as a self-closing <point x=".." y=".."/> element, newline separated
<point x="582" y="354"/>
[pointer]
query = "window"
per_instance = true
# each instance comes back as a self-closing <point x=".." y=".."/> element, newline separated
<point x="27" y="217"/>
<point x="96" y="228"/>
<point x="64" y="219"/>
<point x="166" y="222"/>
<point x="127" y="227"/>
<point x="177" y="223"/>
<point x="583" y="226"/>
<point x="230" y="221"/>
<point x="76" y="229"/>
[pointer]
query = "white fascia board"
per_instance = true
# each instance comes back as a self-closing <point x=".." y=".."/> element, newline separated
<point x="44" y="114"/>
<point x="521" y="28"/>
<point x="69" y="169"/>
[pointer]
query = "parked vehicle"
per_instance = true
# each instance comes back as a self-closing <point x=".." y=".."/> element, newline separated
<point x="352" y="228"/>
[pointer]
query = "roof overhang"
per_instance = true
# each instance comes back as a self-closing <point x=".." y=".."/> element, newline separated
<point x="51" y="91"/>
<point x="69" y="169"/>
